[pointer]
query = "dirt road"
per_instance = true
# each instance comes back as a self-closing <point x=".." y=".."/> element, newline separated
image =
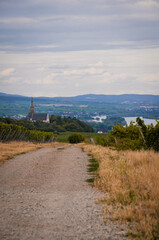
<point x="44" y="195"/>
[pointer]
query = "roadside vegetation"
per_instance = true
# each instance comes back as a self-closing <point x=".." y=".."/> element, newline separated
<point x="135" y="137"/>
<point x="130" y="180"/>
<point x="128" y="167"/>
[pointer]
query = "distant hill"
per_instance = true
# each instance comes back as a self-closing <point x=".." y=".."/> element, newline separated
<point x="137" y="99"/>
<point x="115" y="99"/>
<point x="10" y="95"/>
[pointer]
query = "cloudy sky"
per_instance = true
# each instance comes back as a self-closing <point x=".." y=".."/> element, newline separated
<point x="72" y="47"/>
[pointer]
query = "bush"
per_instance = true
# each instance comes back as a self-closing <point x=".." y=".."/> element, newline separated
<point x="107" y="140"/>
<point x="127" y="143"/>
<point x="134" y="137"/>
<point x="76" y="138"/>
<point x="152" y="137"/>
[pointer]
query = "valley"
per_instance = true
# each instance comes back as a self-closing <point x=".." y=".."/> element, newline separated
<point x="83" y="107"/>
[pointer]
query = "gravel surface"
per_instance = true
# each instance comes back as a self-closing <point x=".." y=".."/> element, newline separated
<point x="44" y="195"/>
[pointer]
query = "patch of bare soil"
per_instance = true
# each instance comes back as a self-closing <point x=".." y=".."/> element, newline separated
<point x="44" y="195"/>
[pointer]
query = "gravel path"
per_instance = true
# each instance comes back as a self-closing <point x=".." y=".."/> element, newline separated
<point x="44" y="195"/>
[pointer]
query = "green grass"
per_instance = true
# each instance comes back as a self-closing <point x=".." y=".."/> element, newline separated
<point x="92" y="169"/>
<point x="60" y="148"/>
<point x="90" y="180"/>
<point x="63" y="136"/>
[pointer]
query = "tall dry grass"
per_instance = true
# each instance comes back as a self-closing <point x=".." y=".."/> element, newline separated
<point x="131" y="180"/>
<point x="10" y="149"/>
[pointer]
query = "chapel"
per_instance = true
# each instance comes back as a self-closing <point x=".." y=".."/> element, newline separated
<point x="33" y="117"/>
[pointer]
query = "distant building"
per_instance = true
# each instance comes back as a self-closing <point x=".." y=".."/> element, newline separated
<point x="99" y="132"/>
<point x="33" y="117"/>
<point x="102" y="130"/>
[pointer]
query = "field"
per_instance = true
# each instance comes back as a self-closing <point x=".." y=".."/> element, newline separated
<point x="63" y="136"/>
<point x="130" y="180"/>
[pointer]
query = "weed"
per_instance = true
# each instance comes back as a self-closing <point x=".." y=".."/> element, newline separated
<point x="132" y="235"/>
<point x="60" y="148"/>
<point x="90" y="180"/>
<point x="92" y="169"/>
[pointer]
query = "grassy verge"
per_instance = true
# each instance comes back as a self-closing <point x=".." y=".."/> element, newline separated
<point x="92" y="169"/>
<point x="10" y="149"/>
<point x="131" y="180"/>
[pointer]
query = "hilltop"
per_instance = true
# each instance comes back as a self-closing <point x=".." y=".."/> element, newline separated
<point x="147" y="99"/>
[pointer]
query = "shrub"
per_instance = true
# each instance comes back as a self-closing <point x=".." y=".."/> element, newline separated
<point x="107" y="140"/>
<point x="76" y="138"/>
<point x="134" y="137"/>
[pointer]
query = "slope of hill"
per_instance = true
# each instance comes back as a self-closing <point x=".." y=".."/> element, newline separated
<point x="57" y="124"/>
<point x="98" y="98"/>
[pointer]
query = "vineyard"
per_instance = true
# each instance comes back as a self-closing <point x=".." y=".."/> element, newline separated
<point x="10" y="132"/>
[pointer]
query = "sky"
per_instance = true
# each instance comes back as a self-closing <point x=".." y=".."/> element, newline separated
<point x="74" y="47"/>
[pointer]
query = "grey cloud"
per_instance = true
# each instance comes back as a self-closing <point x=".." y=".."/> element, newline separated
<point x="76" y="25"/>
<point x="76" y="43"/>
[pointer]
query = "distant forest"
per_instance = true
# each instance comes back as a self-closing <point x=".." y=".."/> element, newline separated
<point x="57" y="124"/>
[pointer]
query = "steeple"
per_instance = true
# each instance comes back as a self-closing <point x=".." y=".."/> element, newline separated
<point x="32" y="107"/>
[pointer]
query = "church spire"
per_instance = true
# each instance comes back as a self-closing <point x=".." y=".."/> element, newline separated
<point x="32" y="106"/>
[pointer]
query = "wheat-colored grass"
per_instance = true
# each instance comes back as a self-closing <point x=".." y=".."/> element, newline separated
<point x="10" y="149"/>
<point x="131" y="180"/>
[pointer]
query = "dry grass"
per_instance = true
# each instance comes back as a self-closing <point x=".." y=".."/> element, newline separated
<point x="131" y="180"/>
<point x="10" y="149"/>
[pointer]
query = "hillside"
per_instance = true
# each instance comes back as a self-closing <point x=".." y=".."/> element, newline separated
<point x="98" y="98"/>
<point x="57" y="124"/>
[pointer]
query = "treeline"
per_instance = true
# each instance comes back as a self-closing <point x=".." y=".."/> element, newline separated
<point x="107" y="124"/>
<point x="57" y="124"/>
<point x="135" y="136"/>
<point x="10" y="132"/>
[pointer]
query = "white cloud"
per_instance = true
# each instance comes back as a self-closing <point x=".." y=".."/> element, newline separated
<point x="97" y="64"/>
<point x="148" y="3"/>
<point x="80" y="72"/>
<point x="71" y="72"/>
<point x="12" y="80"/>
<point x="44" y="80"/>
<point x="151" y="78"/>
<point x="77" y="85"/>
<point x="7" y="72"/>
<point x="112" y="78"/>
<point x="93" y="71"/>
